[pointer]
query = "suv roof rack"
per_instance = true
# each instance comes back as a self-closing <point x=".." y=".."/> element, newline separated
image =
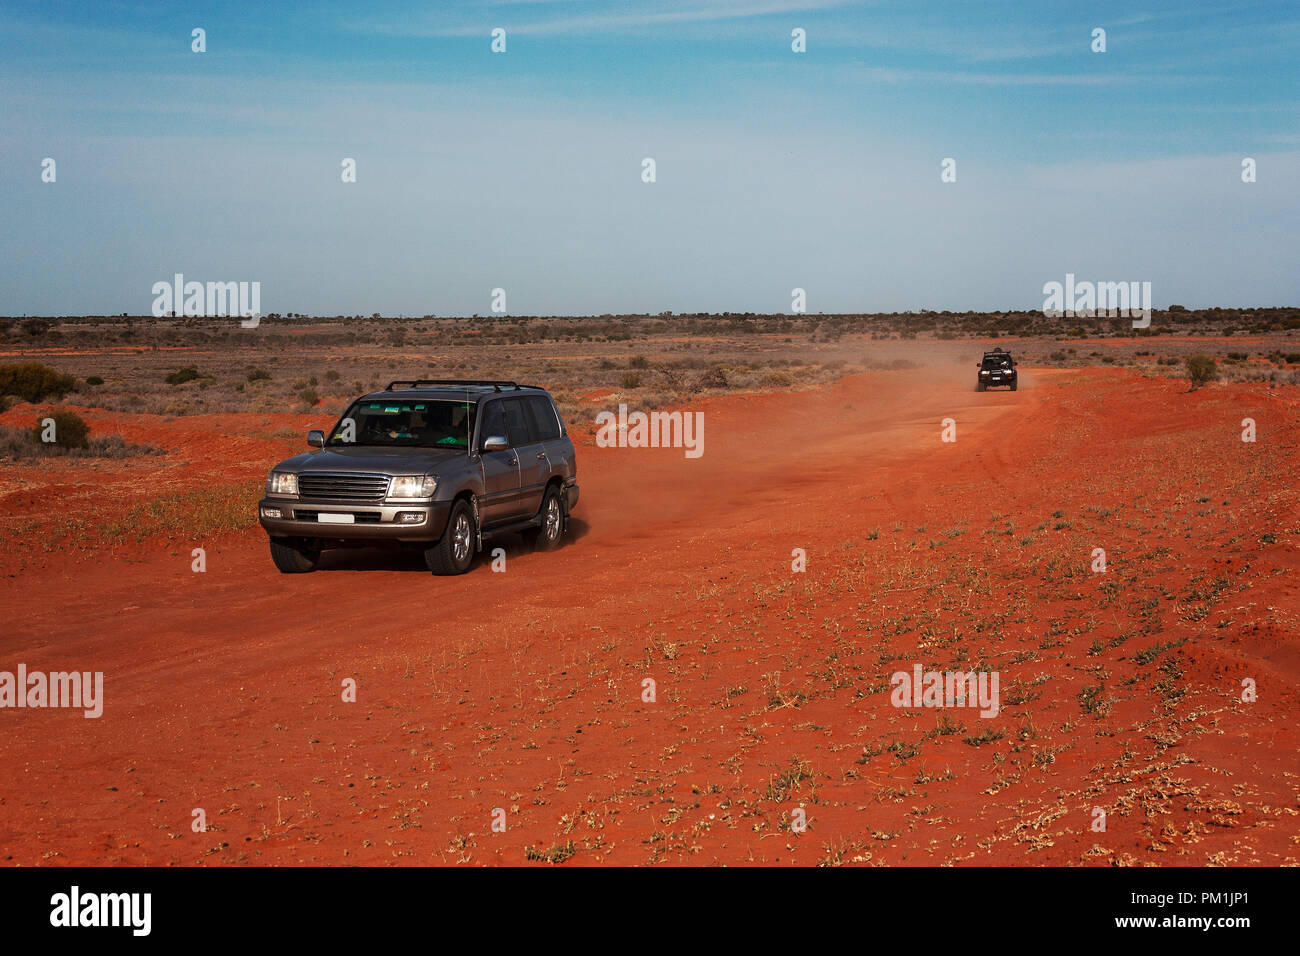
<point x="473" y="382"/>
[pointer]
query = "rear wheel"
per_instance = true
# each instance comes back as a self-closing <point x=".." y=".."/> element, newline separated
<point x="455" y="552"/>
<point x="547" y="535"/>
<point x="294" y="555"/>
<point x="979" y="386"/>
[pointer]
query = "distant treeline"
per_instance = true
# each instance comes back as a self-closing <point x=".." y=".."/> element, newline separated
<point x="148" y="331"/>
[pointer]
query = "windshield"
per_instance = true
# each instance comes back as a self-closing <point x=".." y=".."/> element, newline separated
<point x="419" y="424"/>
<point x="997" y="361"/>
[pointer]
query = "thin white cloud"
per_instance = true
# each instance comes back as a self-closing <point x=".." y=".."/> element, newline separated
<point x="595" y="21"/>
<point x="890" y="75"/>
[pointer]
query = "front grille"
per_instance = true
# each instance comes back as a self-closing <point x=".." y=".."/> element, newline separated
<point x="342" y="487"/>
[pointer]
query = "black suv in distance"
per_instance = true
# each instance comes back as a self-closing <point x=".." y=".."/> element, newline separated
<point x="431" y="464"/>
<point x="997" y="369"/>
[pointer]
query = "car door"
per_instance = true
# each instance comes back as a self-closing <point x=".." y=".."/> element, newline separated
<point x="500" y="497"/>
<point x="546" y="428"/>
<point x="532" y="458"/>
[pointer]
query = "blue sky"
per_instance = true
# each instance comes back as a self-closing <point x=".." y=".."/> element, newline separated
<point x="522" y="170"/>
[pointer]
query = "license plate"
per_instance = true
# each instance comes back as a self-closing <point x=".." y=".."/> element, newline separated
<point x="327" y="518"/>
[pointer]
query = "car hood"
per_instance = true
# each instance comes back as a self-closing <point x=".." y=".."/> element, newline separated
<point x="388" y="461"/>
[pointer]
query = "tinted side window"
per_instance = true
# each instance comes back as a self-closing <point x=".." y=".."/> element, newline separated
<point x="545" y="425"/>
<point x="516" y="423"/>
<point x="494" y="422"/>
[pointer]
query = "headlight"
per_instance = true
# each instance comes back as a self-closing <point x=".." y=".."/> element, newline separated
<point x="282" y="483"/>
<point x="415" y="486"/>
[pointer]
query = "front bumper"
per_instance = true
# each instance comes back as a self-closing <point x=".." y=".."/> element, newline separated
<point x="375" y="521"/>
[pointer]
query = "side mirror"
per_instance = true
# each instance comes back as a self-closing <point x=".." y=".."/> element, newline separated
<point x="496" y="443"/>
<point x="316" y="438"/>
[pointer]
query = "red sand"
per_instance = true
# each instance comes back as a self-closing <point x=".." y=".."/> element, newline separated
<point x="522" y="690"/>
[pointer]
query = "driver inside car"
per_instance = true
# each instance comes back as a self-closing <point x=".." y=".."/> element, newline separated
<point x="399" y="429"/>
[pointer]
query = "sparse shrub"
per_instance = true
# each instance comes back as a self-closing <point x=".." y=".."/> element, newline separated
<point x="180" y="376"/>
<point x="779" y="378"/>
<point x="631" y="379"/>
<point x="556" y="854"/>
<point x="258" y="375"/>
<point x="986" y="736"/>
<point x="113" y="446"/>
<point x="1091" y="701"/>
<point x="638" y="361"/>
<point x="94" y="380"/>
<point x="715" y="377"/>
<point x="32" y="381"/>
<point x="1201" y="369"/>
<point x="309" y="396"/>
<point x="16" y="443"/>
<point x="331" y="376"/>
<point x="70" y="429"/>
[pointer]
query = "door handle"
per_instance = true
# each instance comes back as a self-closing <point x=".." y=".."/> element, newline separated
<point x="541" y="456"/>
<point x="513" y="461"/>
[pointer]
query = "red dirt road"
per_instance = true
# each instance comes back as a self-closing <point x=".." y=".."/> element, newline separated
<point x="523" y="691"/>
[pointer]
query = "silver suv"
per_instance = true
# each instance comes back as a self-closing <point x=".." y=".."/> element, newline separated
<point x="437" y="465"/>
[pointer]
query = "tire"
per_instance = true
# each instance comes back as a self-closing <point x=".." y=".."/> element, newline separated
<point x="979" y="386"/>
<point x="294" y="556"/>
<point x="550" y="533"/>
<point x="1013" y="386"/>
<point x="454" y="553"/>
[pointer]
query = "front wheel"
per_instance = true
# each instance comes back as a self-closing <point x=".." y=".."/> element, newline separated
<point x="294" y="557"/>
<point x="547" y="535"/>
<point x="455" y="552"/>
<point x="1013" y="386"/>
